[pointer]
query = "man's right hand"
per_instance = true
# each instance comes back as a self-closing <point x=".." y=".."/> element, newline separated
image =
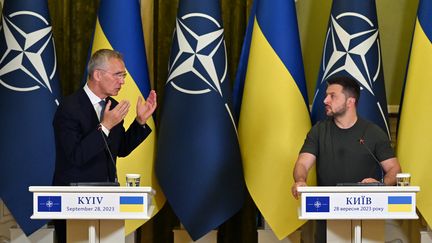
<point x="301" y="168"/>
<point x="294" y="190"/>
<point x="113" y="117"/>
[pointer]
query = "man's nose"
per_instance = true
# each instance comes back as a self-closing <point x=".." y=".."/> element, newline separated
<point x="326" y="100"/>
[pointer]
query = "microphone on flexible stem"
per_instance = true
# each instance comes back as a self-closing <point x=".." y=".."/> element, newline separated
<point x="109" y="152"/>
<point x="362" y="142"/>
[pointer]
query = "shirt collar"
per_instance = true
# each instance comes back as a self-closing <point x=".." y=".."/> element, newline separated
<point x="93" y="98"/>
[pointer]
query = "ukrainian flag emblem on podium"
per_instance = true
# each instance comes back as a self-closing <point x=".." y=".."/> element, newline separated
<point x="399" y="204"/>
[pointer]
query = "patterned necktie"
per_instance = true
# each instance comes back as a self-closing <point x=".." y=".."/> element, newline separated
<point x="102" y="103"/>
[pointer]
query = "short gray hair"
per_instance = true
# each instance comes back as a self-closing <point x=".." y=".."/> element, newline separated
<point x="100" y="58"/>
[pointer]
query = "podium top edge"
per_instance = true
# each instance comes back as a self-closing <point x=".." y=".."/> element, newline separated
<point x="336" y="189"/>
<point x="101" y="189"/>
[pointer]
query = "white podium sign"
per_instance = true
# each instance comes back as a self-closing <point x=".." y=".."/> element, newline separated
<point x="348" y="209"/>
<point x="369" y="202"/>
<point x="96" y="212"/>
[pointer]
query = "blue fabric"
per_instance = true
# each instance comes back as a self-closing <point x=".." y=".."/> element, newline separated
<point x="198" y="160"/>
<point x="29" y="94"/>
<point x="424" y="14"/>
<point x="243" y="63"/>
<point x="116" y="29"/>
<point x="352" y="24"/>
<point x="266" y="16"/>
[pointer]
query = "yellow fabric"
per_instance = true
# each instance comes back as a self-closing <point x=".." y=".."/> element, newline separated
<point x="131" y="208"/>
<point x="415" y="125"/>
<point x="141" y="160"/>
<point x="274" y="121"/>
<point x="399" y="207"/>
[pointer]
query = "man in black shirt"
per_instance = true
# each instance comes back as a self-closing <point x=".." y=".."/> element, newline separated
<point x="342" y="145"/>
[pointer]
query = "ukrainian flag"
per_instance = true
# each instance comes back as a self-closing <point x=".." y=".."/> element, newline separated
<point x="274" y="116"/>
<point x="131" y="204"/>
<point x="413" y="142"/>
<point x="399" y="204"/>
<point x="118" y="27"/>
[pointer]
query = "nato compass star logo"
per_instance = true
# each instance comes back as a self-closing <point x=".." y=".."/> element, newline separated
<point x="198" y="63"/>
<point x="196" y="53"/>
<point x="317" y="204"/>
<point x="49" y="203"/>
<point x="345" y="51"/>
<point x="29" y="53"/>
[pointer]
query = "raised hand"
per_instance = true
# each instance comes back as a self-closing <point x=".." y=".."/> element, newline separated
<point x="146" y="108"/>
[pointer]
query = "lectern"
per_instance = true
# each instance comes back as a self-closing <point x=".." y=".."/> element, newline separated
<point x="357" y="213"/>
<point x="93" y="214"/>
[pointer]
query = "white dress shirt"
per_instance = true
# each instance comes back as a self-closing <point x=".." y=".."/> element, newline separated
<point x="94" y="99"/>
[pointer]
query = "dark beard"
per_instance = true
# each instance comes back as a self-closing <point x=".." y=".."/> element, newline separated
<point x="338" y="113"/>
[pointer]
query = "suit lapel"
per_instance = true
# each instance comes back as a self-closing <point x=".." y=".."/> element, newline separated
<point x="87" y="107"/>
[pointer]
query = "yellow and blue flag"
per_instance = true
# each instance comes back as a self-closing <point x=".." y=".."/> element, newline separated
<point x="352" y="48"/>
<point x="274" y="115"/>
<point x="413" y="139"/>
<point x="29" y="95"/>
<point x="131" y="204"/>
<point x="198" y="160"/>
<point x="399" y="203"/>
<point x="118" y="27"/>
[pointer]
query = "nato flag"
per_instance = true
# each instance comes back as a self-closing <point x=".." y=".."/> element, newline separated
<point x="198" y="160"/>
<point x="352" y="48"/>
<point x="29" y="95"/>
<point x="318" y="204"/>
<point x="49" y="203"/>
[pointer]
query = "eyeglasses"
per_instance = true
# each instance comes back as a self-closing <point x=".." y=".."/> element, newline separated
<point x="118" y="75"/>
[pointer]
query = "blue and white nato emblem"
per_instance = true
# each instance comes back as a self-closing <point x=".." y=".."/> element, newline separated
<point x="345" y="51"/>
<point x="197" y="51"/>
<point x="49" y="203"/>
<point x="198" y="62"/>
<point x="318" y="204"/>
<point x="28" y="62"/>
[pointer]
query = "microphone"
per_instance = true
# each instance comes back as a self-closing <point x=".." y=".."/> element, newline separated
<point x="109" y="152"/>
<point x="362" y="142"/>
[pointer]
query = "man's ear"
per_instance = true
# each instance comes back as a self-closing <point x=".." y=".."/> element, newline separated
<point x="97" y="75"/>
<point x="352" y="101"/>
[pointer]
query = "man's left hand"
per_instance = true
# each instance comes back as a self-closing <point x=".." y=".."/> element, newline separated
<point x="146" y="108"/>
<point x="369" y="180"/>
